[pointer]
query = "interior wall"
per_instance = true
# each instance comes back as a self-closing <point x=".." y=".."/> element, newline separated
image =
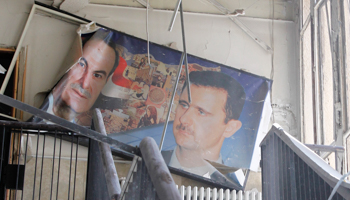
<point x="13" y="15"/>
<point x="208" y="36"/>
<point x="211" y="37"/>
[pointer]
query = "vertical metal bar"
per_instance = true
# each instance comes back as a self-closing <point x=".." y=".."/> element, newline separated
<point x="148" y="56"/>
<point x="264" y="171"/>
<point x="76" y="163"/>
<point x="70" y="165"/>
<point x="25" y="161"/>
<point x="338" y="75"/>
<point x="174" y="16"/>
<point x="302" y="85"/>
<point x="171" y="101"/>
<point x="11" y="154"/>
<point x="59" y="166"/>
<point x="334" y="51"/>
<point x="42" y="166"/>
<point x="328" y="25"/>
<point x="310" y="185"/>
<point x="301" y="14"/>
<point x="326" y="189"/>
<point x="293" y="183"/>
<point x="19" y="156"/>
<point x="345" y="64"/>
<point x="344" y="80"/>
<point x="184" y="48"/>
<point x="2" y="149"/>
<point x="320" y="75"/>
<point x="282" y="164"/>
<point x="298" y="171"/>
<point x="53" y="163"/>
<point x="316" y="74"/>
<point x="88" y="167"/>
<point x="280" y="168"/>
<point x="314" y="70"/>
<point x="13" y="146"/>
<point x="36" y="161"/>
<point x="276" y="163"/>
<point x="336" y="159"/>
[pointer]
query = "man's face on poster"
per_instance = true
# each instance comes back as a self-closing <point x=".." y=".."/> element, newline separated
<point x="200" y="125"/>
<point x="87" y="77"/>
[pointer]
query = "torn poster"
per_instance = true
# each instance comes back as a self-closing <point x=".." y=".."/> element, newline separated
<point x="221" y="126"/>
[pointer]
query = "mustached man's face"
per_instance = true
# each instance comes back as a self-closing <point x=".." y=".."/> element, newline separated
<point x="200" y="125"/>
<point x="85" y="80"/>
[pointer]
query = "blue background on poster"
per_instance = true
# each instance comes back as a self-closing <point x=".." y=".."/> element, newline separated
<point x="236" y="151"/>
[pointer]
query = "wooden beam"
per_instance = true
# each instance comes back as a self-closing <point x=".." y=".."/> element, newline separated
<point x="15" y="87"/>
<point x="7" y="49"/>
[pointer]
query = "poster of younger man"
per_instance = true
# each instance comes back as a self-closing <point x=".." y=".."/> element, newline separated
<point x="201" y="126"/>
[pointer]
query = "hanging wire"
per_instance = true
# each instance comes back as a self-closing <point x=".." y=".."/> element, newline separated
<point x="273" y="52"/>
<point x="337" y="185"/>
<point x="149" y="60"/>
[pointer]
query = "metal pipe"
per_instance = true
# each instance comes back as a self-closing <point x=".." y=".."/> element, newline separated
<point x="80" y="158"/>
<point x="302" y="82"/>
<point x="346" y="135"/>
<point x="337" y="185"/>
<point x="142" y="2"/>
<point x="129" y="176"/>
<point x="171" y="101"/>
<point x="316" y="77"/>
<point x="111" y="174"/>
<point x="147" y="31"/>
<point x="186" y="12"/>
<point x="158" y="170"/>
<point x="319" y="76"/>
<point x="318" y="4"/>
<point x="314" y="69"/>
<point x="48" y="10"/>
<point x="31" y="125"/>
<point x="174" y="16"/>
<point x="307" y="22"/>
<point x="301" y="14"/>
<point x="7" y="116"/>
<point x="345" y="94"/>
<point x="338" y="75"/>
<point x="328" y="148"/>
<point x="185" y="52"/>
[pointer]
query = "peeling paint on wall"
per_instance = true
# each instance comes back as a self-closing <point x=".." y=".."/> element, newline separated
<point x="285" y="116"/>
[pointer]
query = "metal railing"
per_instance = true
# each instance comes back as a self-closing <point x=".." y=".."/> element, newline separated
<point x="40" y="161"/>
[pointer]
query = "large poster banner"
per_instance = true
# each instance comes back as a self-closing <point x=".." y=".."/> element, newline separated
<point x="213" y="136"/>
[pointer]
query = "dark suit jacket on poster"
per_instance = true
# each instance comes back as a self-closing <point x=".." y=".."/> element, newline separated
<point x="44" y="106"/>
<point x="216" y="176"/>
